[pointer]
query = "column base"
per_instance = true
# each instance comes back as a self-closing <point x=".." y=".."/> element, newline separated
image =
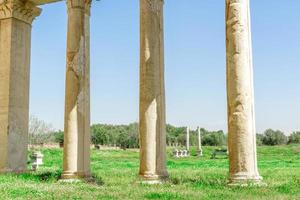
<point x="244" y="180"/>
<point x="199" y="153"/>
<point x="75" y="176"/>
<point x="153" y="179"/>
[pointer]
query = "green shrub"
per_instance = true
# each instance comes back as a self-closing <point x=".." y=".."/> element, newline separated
<point x="272" y="137"/>
<point x="294" y="138"/>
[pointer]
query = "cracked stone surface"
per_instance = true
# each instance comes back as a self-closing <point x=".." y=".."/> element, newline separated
<point x="241" y="122"/>
<point x="152" y="92"/>
<point x="15" y="35"/>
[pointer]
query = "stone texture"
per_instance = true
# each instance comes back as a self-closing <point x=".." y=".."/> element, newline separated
<point x="76" y="163"/>
<point x="152" y="92"/>
<point x="15" y="35"/>
<point x="241" y="122"/>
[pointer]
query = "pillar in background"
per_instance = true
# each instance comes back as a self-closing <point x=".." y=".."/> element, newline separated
<point x="187" y="138"/>
<point x="199" y="147"/>
<point x="152" y="92"/>
<point x="76" y="163"/>
<point x="240" y="97"/>
<point x="16" y="17"/>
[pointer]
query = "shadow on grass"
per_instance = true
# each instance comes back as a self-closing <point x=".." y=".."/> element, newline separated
<point x="39" y="176"/>
<point x="95" y="180"/>
<point x="201" y="181"/>
<point x="162" y="196"/>
<point x="53" y="176"/>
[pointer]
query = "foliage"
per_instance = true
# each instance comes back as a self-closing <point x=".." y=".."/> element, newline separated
<point x="125" y="136"/>
<point x="39" y="131"/>
<point x="259" y="139"/>
<point x="214" y="138"/>
<point x="272" y="137"/>
<point x="294" y="138"/>
<point x="59" y="136"/>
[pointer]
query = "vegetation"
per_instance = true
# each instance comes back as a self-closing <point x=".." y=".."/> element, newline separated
<point x="126" y="136"/>
<point x="190" y="178"/>
<point x="272" y="137"/>
<point x="40" y="132"/>
<point x="294" y="138"/>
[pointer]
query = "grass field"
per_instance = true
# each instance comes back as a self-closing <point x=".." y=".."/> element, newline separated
<point x="190" y="178"/>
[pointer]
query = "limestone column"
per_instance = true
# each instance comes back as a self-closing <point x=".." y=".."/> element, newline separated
<point x="240" y="97"/>
<point x="187" y="138"/>
<point x="152" y="126"/>
<point x="199" y="147"/>
<point x="76" y="163"/>
<point x="16" y="17"/>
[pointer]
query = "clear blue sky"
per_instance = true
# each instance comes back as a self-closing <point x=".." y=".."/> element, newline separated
<point x="194" y="63"/>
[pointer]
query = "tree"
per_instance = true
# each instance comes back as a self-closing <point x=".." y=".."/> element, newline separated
<point x="294" y="138"/>
<point x="259" y="139"/>
<point x="214" y="138"/>
<point x="272" y="137"/>
<point x="40" y="132"/>
<point x="59" y="137"/>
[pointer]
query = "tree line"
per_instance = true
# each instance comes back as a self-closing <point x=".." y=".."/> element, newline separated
<point x="126" y="136"/>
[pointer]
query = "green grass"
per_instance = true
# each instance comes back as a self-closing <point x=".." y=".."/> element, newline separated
<point x="190" y="178"/>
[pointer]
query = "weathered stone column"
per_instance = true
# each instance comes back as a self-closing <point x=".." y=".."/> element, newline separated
<point x="76" y="163"/>
<point x="187" y="138"/>
<point x="241" y="122"/>
<point x="152" y="92"/>
<point x="199" y="147"/>
<point x="16" y="17"/>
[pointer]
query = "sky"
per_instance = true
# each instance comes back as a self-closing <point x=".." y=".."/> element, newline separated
<point x="194" y="63"/>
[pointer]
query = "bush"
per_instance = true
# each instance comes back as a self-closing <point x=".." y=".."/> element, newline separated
<point x="125" y="136"/>
<point x="217" y="138"/>
<point x="272" y="137"/>
<point x="259" y="139"/>
<point x="59" y="137"/>
<point x="294" y="138"/>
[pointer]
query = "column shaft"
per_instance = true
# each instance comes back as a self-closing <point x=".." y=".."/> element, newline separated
<point x="15" y="42"/>
<point x="152" y="91"/>
<point x="187" y="138"/>
<point x="77" y="101"/>
<point x="241" y="122"/>
<point x="199" y="148"/>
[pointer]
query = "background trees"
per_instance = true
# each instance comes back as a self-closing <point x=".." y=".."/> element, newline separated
<point x="294" y="138"/>
<point x="271" y="137"/>
<point x="127" y="136"/>
<point x="39" y="131"/>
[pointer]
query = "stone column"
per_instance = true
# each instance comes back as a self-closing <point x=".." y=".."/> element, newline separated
<point x="187" y="138"/>
<point x="76" y="163"/>
<point x="152" y="92"/>
<point x="199" y="147"/>
<point x="240" y="97"/>
<point x="16" y="17"/>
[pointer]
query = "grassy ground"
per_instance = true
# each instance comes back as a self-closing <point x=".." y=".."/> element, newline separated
<point x="190" y="178"/>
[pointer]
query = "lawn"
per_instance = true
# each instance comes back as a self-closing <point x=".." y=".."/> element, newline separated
<point x="190" y="178"/>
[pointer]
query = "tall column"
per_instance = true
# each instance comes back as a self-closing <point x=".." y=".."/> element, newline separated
<point x="240" y="97"/>
<point x="76" y="163"/>
<point x="187" y="138"/>
<point x="16" y="17"/>
<point x="152" y="92"/>
<point x="199" y="147"/>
